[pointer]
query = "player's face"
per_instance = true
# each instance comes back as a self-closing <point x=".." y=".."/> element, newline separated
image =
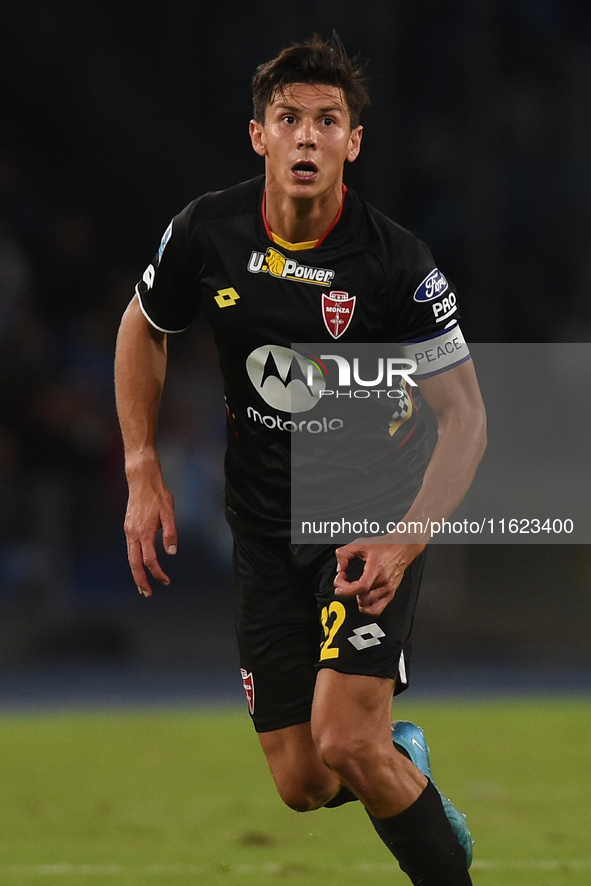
<point x="305" y="139"/>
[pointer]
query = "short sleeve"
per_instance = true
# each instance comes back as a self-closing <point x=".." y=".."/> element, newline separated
<point x="425" y="319"/>
<point x="169" y="289"/>
<point x="424" y="299"/>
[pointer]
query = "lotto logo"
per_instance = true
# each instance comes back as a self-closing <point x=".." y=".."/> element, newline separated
<point x="368" y="635"/>
<point x="226" y="297"/>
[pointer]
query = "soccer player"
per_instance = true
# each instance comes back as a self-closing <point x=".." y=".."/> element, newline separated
<point x="264" y="260"/>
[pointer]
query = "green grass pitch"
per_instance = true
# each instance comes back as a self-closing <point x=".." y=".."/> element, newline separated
<point x="185" y="797"/>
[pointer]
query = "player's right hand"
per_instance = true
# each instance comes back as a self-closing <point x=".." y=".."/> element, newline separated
<point x="150" y="507"/>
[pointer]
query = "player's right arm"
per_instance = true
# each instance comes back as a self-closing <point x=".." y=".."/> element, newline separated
<point x="140" y="371"/>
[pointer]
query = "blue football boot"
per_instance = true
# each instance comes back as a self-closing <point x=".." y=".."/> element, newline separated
<point x="411" y="739"/>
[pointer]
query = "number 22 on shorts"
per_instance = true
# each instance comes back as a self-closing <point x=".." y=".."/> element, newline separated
<point x="332" y="618"/>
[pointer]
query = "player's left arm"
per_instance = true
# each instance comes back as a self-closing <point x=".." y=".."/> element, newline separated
<point x="454" y="396"/>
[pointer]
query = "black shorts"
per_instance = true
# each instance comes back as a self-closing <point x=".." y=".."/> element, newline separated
<point x="289" y="623"/>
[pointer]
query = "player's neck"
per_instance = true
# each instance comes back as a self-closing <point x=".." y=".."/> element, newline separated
<point x="298" y="220"/>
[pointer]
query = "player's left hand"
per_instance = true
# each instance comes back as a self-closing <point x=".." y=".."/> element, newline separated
<point x="383" y="568"/>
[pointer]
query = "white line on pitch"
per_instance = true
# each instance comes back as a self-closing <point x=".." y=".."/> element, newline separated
<point x="49" y="870"/>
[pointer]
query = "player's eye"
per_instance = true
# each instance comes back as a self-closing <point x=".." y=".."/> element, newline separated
<point x="289" y="118"/>
<point x="328" y="121"/>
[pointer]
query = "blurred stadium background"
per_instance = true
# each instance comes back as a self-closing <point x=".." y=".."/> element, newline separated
<point x="112" y="117"/>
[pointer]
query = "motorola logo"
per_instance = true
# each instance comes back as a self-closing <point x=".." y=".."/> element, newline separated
<point x="285" y="379"/>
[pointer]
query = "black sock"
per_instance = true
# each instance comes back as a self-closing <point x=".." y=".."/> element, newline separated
<point x="424" y="844"/>
<point x="343" y="796"/>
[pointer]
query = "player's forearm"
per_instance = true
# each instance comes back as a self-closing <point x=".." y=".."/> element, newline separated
<point x="140" y="370"/>
<point x="462" y="440"/>
<point x="461" y="424"/>
<point x="449" y="475"/>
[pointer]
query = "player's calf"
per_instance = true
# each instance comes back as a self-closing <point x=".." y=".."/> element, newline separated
<point x="383" y="779"/>
<point x="424" y="843"/>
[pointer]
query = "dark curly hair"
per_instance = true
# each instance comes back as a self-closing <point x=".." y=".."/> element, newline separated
<point x="313" y="61"/>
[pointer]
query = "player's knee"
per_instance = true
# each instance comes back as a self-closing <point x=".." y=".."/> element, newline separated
<point x="304" y="790"/>
<point x="300" y="798"/>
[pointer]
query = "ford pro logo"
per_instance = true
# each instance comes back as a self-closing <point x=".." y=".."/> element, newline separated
<point x="432" y="286"/>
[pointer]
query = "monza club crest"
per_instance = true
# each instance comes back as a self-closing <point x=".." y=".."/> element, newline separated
<point x="248" y="683"/>
<point x="337" y="311"/>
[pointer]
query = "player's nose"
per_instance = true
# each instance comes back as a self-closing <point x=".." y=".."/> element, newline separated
<point x="306" y="135"/>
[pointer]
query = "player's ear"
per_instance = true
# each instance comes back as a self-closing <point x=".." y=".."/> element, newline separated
<point x="257" y="137"/>
<point x="354" y="143"/>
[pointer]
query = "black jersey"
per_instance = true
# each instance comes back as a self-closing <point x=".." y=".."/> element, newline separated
<point x="368" y="280"/>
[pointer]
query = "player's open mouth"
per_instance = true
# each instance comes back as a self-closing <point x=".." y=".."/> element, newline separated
<point x="304" y="171"/>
